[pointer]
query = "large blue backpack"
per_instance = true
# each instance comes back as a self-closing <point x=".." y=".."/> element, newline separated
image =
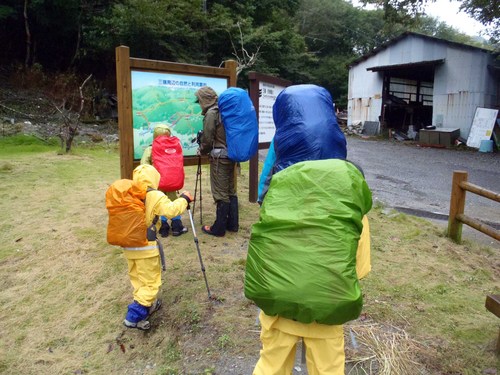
<point x="240" y="123"/>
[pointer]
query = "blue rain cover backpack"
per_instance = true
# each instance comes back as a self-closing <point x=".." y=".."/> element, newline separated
<point x="306" y="127"/>
<point x="240" y="122"/>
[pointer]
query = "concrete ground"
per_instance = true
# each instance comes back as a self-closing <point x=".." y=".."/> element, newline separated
<point x="417" y="180"/>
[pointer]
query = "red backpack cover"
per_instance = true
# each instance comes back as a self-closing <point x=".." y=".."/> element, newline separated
<point x="168" y="160"/>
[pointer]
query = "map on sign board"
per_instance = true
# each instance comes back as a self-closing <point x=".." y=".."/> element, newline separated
<point x="267" y="96"/>
<point x="482" y="126"/>
<point x="164" y="98"/>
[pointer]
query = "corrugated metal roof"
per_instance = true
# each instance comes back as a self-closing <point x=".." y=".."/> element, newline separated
<point x="406" y="66"/>
<point x="410" y="33"/>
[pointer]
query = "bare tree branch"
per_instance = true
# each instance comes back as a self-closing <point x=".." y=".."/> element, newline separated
<point x="82" y="99"/>
<point x="70" y="127"/>
<point x="244" y="59"/>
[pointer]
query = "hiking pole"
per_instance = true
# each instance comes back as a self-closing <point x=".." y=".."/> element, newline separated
<point x="162" y="255"/>
<point x="198" y="178"/>
<point x="151" y="234"/>
<point x="198" y="173"/>
<point x="199" y="253"/>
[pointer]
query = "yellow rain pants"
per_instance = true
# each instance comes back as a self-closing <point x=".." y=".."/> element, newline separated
<point x="324" y="347"/>
<point x="145" y="276"/>
<point x="363" y="254"/>
<point x="324" y="343"/>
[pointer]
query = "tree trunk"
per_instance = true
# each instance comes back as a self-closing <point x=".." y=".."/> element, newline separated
<point x="28" y="34"/>
<point x="79" y="36"/>
<point x="71" y="136"/>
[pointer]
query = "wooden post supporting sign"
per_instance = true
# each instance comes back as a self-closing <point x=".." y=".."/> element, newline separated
<point x="124" y="95"/>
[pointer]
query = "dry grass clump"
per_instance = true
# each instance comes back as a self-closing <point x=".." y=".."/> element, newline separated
<point x="382" y="350"/>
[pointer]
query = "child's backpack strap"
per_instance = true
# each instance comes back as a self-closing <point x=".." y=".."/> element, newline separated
<point x="152" y="235"/>
<point x="152" y="232"/>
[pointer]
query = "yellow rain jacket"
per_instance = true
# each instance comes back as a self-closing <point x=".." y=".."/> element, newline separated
<point x="157" y="203"/>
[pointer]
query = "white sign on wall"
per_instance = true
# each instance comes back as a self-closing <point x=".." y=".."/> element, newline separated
<point x="482" y="126"/>
<point x="267" y="96"/>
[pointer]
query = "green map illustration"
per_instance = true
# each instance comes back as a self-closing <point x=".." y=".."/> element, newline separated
<point x="175" y="107"/>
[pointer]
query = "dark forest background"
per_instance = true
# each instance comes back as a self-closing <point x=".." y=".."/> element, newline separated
<point x="300" y="40"/>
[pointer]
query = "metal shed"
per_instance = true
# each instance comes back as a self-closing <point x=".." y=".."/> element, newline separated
<point x="415" y="80"/>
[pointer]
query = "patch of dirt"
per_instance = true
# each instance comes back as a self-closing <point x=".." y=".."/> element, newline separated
<point x="33" y="112"/>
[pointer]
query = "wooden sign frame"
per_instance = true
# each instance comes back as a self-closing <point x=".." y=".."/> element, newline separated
<point x="124" y="67"/>
<point x="255" y="82"/>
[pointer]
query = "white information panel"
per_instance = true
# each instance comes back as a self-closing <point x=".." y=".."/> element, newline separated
<point x="267" y="96"/>
<point x="482" y="126"/>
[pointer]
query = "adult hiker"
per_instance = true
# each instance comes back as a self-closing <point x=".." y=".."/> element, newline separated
<point x="301" y="268"/>
<point x="176" y="223"/>
<point x="222" y="183"/>
<point x="144" y="263"/>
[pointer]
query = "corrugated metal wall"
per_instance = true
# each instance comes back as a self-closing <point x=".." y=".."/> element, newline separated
<point x="461" y="84"/>
<point x="364" y="94"/>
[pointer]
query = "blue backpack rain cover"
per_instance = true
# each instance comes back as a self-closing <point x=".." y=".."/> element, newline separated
<point x="306" y="127"/>
<point x="240" y="122"/>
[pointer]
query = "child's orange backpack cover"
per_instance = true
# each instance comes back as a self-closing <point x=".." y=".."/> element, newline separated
<point x="127" y="223"/>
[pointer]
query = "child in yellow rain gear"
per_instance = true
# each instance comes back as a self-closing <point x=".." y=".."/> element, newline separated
<point x="176" y="223"/>
<point x="144" y="264"/>
<point x="311" y="243"/>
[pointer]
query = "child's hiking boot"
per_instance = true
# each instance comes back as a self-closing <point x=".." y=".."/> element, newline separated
<point x="137" y="316"/>
<point x="154" y="307"/>
<point x="143" y="325"/>
<point x="178" y="228"/>
<point x="164" y="229"/>
<point x="136" y="311"/>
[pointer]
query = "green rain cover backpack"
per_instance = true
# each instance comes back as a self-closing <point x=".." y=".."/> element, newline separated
<point x="301" y="262"/>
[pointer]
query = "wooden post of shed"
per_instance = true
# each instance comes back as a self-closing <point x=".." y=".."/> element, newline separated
<point x="124" y="94"/>
<point x="457" y="205"/>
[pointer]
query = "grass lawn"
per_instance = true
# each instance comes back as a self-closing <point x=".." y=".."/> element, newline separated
<point x="64" y="290"/>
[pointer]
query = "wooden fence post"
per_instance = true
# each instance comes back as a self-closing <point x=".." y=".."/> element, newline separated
<point x="457" y="205"/>
<point x="493" y="305"/>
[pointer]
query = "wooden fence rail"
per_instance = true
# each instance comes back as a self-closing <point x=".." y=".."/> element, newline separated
<point x="457" y="204"/>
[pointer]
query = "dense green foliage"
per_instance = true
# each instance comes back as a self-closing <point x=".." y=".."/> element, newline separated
<point x="299" y="40"/>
